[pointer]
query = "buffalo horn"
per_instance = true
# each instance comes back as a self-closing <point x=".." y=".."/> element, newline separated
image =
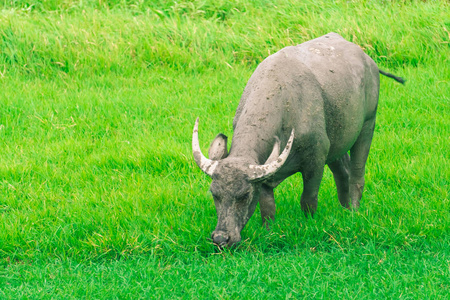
<point x="260" y="172"/>
<point x="206" y="165"/>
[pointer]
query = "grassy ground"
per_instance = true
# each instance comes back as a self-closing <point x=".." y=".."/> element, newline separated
<point x="100" y="197"/>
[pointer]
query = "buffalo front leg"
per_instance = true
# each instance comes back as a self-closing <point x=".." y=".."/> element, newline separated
<point x="311" y="184"/>
<point x="267" y="205"/>
<point x="341" y="173"/>
<point x="358" y="157"/>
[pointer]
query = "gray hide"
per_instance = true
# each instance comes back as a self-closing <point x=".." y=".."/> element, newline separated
<point x="324" y="95"/>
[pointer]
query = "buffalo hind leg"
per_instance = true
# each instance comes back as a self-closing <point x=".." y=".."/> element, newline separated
<point x="341" y="173"/>
<point x="358" y="157"/>
<point x="267" y="205"/>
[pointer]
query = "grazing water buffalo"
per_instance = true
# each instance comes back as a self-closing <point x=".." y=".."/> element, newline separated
<point x="317" y="101"/>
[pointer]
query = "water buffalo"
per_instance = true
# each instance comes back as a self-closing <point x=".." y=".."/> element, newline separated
<point x="317" y="101"/>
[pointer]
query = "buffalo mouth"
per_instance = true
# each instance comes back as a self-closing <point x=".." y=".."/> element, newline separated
<point x="224" y="240"/>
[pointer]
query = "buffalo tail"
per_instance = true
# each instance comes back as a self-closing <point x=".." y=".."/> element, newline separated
<point x="399" y="79"/>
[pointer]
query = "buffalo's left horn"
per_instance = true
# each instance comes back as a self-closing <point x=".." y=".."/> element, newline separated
<point x="260" y="172"/>
<point x="206" y="165"/>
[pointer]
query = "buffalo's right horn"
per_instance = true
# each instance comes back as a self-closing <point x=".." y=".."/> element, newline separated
<point x="206" y="165"/>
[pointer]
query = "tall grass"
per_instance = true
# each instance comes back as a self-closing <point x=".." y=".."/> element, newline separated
<point x="96" y="114"/>
<point x="84" y="40"/>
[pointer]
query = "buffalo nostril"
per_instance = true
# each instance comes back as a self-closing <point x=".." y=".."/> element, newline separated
<point x="220" y="239"/>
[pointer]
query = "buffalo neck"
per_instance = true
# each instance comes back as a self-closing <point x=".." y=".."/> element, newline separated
<point x="254" y="136"/>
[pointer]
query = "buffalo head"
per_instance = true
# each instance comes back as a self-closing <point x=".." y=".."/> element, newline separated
<point x="236" y="184"/>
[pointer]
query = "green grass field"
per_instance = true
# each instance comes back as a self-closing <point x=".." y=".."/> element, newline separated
<point x="100" y="197"/>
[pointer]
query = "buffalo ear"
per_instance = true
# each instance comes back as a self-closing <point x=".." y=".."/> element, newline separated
<point x="218" y="148"/>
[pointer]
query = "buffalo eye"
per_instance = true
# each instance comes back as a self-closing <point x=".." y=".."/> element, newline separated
<point x="243" y="197"/>
<point x="215" y="197"/>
